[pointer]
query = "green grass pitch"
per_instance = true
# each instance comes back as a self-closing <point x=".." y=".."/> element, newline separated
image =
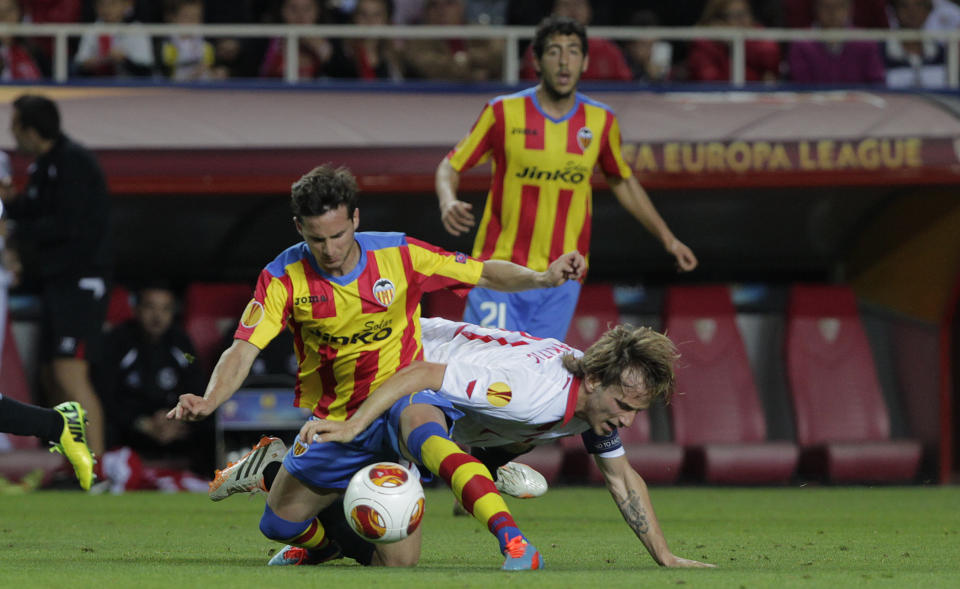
<point x="796" y="537"/>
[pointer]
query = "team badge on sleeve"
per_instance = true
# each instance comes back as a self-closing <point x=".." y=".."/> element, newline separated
<point x="253" y="314"/>
<point x="499" y="394"/>
<point x="384" y="291"/>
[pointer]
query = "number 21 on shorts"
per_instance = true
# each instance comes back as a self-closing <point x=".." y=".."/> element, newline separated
<point x="494" y="314"/>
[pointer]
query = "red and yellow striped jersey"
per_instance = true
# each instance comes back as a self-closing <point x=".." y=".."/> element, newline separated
<point x="351" y="332"/>
<point x="539" y="205"/>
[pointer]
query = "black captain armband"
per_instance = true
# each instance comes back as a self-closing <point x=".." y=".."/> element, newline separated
<point x="601" y="444"/>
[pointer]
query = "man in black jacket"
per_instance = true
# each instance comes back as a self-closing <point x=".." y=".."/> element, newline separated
<point x="148" y="363"/>
<point x="62" y="227"/>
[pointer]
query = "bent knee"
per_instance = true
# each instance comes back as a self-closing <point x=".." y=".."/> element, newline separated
<point x="276" y="528"/>
<point x="413" y="416"/>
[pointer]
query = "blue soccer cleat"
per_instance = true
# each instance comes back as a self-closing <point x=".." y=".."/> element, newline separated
<point x="522" y="556"/>
<point x="295" y="555"/>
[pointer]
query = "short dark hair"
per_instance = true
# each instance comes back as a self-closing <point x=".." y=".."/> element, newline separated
<point x="38" y="113"/>
<point x="323" y="189"/>
<point x="558" y="25"/>
<point x="153" y="283"/>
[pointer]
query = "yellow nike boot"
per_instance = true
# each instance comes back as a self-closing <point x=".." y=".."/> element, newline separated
<point x="73" y="442"/>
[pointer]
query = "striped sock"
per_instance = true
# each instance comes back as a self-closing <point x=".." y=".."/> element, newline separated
<point x="314" y="537"/>
<point x="306" y="534"/>
<point x="467" y="477"/>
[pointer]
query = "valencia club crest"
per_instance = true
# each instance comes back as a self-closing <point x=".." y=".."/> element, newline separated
<point x="584" y="138"/>
<point x="384" y="291"/>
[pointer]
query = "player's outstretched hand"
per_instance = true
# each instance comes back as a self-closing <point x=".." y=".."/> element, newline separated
<point x="677" y="562"/>
<point x="686" y="261"/>
<point x="191" y="408"/>
<point x="569" y="266"/>
<point x="322" y="430"/>
<point x="457" y="217"/>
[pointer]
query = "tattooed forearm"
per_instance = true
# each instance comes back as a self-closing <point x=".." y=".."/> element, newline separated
<point x="633" y="511"/>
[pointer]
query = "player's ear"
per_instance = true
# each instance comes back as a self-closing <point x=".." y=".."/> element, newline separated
<point x="591" y="384"/>
<point x="296" y="223"/>
<point x="586" y="64"/>
<point x="356" y="219"/>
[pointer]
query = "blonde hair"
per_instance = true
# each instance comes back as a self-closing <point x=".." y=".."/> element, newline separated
<point x="623" y="348"/>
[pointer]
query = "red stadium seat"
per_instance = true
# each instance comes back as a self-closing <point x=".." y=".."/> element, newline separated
<point x="716" y="412"/>
<point x="546" y="459"/>
<point x="656" y="462"/>
<point x="577" y="467"/>
<point x="209" y="311"/>
<point x="596" y="312"/>
<point x="842" y="421"/>
<point x="119" y="306"/>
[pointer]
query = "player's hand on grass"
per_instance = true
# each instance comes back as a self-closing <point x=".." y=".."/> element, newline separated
<point x="569" y="266"/>
<point x="686" y="261"/>
<point x="457" y="217"/>
<point x="191" y="408"/>
<point x="322" y="430"/>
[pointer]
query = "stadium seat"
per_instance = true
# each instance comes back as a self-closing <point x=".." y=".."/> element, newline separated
<point x="657" y="462"/>
<point x="209" y="310"/>
<point x="576" y="466"/>
<point x="119" y="306"/>
<point x="716" y="413"/>
<point x="596" y="312"/>
<point x="547" y="459"/>
<point x="842" y="422"/>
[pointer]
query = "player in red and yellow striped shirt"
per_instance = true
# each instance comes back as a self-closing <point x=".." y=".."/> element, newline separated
<point x="543" y="145"/>
<point x="352" y="301"/>
<point x="353" y="331"/>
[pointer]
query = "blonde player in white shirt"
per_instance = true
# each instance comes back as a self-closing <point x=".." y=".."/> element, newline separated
<point x="516" y="391"/>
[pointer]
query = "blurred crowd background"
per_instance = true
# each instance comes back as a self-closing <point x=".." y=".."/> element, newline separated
<point x="191" y="57"/>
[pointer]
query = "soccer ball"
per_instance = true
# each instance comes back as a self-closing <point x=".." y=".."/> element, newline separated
<point x="384" y="502"/>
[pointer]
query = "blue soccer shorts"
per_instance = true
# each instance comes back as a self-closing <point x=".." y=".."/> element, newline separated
<point x="330" y="465"/>
<point x="544" y="312"/>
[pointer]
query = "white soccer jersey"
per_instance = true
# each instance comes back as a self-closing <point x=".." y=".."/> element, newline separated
<point x="511" y="386"/>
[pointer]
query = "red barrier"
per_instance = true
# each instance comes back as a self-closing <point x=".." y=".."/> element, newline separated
<point x="946" y="385"/>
